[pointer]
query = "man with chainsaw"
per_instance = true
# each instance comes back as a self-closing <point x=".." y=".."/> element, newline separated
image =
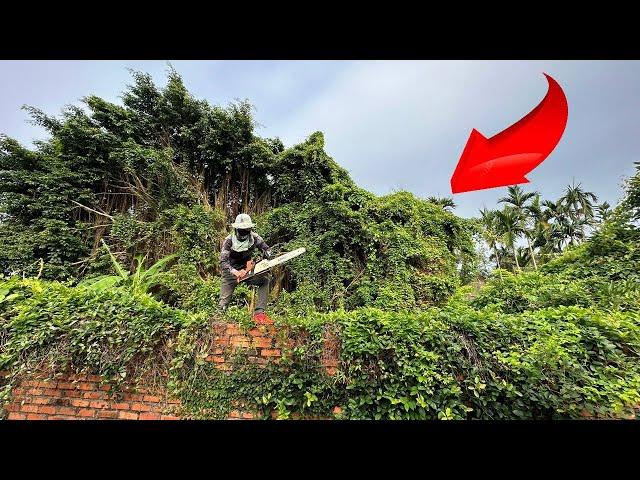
<point x="236" y="261"/>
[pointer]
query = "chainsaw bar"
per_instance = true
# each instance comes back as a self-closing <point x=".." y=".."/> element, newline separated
<point x="263" y="266"/>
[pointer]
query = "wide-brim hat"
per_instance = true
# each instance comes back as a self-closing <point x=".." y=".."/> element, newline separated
<point x="243" y="221"/>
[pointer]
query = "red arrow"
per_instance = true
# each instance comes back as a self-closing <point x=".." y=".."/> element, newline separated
<point x="508" y="156"/>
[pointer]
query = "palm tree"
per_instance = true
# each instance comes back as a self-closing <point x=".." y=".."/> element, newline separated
<point x="555" y="217"/>
<point x="489" y="232"/>
<point x="444" y="202"/>
<point x="509" y="226"/>
<point x="518" y="198"/>
<point x="578" y="201"/>
<point x="540" y="229"/>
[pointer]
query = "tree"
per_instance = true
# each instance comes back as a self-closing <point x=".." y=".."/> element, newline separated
<point x="518" y="198"/>
<point x="509" y="225"/>
<point x="444" y="202"/>
<point x="579" y="202"/>
<point x="490" y="232"/>
<point x="604" y="212"/>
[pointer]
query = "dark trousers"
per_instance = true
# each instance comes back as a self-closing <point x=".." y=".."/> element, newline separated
<point x="229" y="283"/>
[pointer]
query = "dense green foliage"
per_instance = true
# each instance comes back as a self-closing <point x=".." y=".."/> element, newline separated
<point x="120" y="215"/>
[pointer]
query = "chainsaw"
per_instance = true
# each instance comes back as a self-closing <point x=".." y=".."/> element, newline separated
<point x="264" y="266"/>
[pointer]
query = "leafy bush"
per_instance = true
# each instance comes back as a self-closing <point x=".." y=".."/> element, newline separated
<point x="107" y="332"/>
<point x="511" y="293"/>
<point x="460" y="363"/>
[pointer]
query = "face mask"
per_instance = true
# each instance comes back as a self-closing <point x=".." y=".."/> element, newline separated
<point x="242" y="234"/>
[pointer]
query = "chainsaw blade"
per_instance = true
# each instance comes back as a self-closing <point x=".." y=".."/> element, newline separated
<point x="264" y="266"/>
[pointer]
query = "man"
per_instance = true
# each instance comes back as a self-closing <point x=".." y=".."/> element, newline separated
<point x="236" y="260"/>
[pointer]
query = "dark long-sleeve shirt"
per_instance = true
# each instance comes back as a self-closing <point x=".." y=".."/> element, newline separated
<point x="231" y="260"/>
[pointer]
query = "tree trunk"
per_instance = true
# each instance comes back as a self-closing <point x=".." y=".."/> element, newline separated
<point x="498" y="262"/>
<point x="533" y="257"/>
<point x="515" y="256"/>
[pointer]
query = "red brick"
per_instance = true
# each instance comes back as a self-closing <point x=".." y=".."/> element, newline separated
<point x="173" y="401"/>
<point x="267" y="352"/>
<point x="222" y="341"/>
<point x="86" y="412"/>
<point x="149" y="416"/>
<point x="29" y="408"/>
<point x="122" y="406"/>
<point x="66" y="385"/>
<point x="85" y="386"/>
<point x="107" y="414"/>
<point x="261" y="342"/>
<point x="139" y="407"/>
<point x="47" y="409"/>
<point x="63" y="417"/>
<point x="337" y="410"/>
<point x="256" y="332"/>
<point x="105" y="388"/>
<point x="247" y="415"/>
<point x="12" y="407"/>
<point x="215" y="359"/>
<point x="331" y="370"/>
<point x="18" y="391"/>
<point x="35" y="416"/>
<point x="99" y="404"/>
<point x="66" y="411"/>
<point x="127" y="416"/>
<point x="93" y="395"/>
<point x="35" y="391"/>
<point x="223" y="366"/>
<point x="41" y="400"/>
<point x="94" y="378"/>
<point x="134" y="397"/>
<point x="47" y="384"/>
<point x="16" y="416"/>
<point x="29" y="383"/>
<point x="152" y="398"/>
<point x="72" y="393"/>
<point x="235" y="414"/>
<point x="218" y="351"/>
<point x="240" y="341"/>
<point x="233" y="329"/>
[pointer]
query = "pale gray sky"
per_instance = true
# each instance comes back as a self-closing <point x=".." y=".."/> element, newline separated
<point x="392" y="124"/>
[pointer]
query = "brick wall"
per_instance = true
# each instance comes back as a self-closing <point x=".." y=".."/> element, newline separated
<point x="71" y="397"/>
<point x="77" y="397"/>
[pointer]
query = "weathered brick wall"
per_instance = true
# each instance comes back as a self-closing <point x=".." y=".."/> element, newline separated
<point x="74" y="397"/>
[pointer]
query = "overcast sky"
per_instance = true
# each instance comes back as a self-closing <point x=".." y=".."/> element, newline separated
<point x="392" y="124"/>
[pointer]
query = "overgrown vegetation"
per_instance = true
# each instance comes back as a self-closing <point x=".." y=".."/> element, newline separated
<point x="111" y="230"/>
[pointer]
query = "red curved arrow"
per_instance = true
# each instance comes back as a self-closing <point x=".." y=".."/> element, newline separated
<point x="508" y="156"/>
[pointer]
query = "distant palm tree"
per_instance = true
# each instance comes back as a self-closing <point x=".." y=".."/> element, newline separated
<point x="579" y="201"/>
<point x="489" y="232"/>
<point x="444" y="202"/>
<point x="518" y="198"/>
<point x="509" y="226"/>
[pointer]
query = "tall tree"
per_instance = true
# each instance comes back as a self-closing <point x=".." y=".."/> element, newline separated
<point x="579" y="202"/>
<point x="519" y="199"/>
<point x="509" y="226"/>
<point x="490" y="232"/>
